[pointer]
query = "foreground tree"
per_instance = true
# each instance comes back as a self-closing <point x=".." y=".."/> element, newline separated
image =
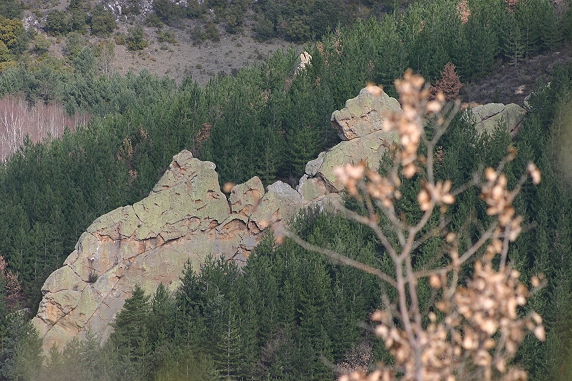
<point x="458" y="330"/>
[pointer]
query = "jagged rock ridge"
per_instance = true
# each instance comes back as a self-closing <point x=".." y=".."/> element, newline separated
<point x="186" y="217"/>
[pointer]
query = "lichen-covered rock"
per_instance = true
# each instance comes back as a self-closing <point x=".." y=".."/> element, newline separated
<point x="278" y="204"/>
<point x="144" y="244"/>
<point x="368" y="149"/>
<point x="313" y="166"/>
<point x="487" y="117"/>
<point x="186" y="218"/>
<point x="363" y="114"/>
<point x="312" y="188"/>
<point x="244" y="198"/>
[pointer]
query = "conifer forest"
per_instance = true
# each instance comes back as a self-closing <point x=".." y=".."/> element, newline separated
<point x="289" y="313"/>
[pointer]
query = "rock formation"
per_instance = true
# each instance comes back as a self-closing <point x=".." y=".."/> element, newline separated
<point x="184" y="219"/>
<point x="487" y="117"/>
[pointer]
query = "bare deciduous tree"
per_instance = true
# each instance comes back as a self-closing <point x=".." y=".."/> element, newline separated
<point x="472" y="329"/>
<point x="39" y="122"/>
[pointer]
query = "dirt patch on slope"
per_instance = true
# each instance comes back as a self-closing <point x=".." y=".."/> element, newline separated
<point x="200" y="61"/>
<point x="512" y="84"/>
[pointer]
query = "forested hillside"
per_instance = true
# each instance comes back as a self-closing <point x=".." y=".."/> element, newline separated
<point x="268" y="121"/>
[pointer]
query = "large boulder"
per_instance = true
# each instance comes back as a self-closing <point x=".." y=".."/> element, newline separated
<point x="363" y="114"/>
<point x="360" y="126"/>
<point x="488" y="117"/>
<point x="184" y="219"/>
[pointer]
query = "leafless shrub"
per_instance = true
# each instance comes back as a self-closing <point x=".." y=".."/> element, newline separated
<point x="449" y="83"/>
<point x="39" y="122"/>
<point x="14" y="295"/>
<point x="357" y="359"/>
<point x="472" y="330"/>
<point x="464" y="11"/>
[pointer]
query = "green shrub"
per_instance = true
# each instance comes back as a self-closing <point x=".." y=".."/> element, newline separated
<point x="166" y="36"/>
<point x="120" y="39"/>
<point x="298" y="29"/>
<point x="212" y="32"/>
<point x="58" y="23"/>
<point x="233" y="24"/>
<point x="264" y="28"/>
<point x="13" y="34"/>
<point x="132" y="8"/>
<point x="197" y="34"/>
<point x="41" y="44"/>
<point x="153" y="20"/>
<point x="75" y="43"/>
<point x="78" y="21"/>
<point x="102" y="21"/>
<point x="136" y="39"/>
<point x="168" y="11"/>
<point x="5" y="55"/>
<point x="194" y="9"/>
<point x="11" y="9"/>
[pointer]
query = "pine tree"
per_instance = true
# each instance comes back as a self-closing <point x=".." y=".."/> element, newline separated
<point x="3" y="309"/>
<point x="160" y="311"/>
<point x="189" y="324"/>
<point x="512" y="45"/>
<point x="131" y="332"/>
<point x="228" y="355"/>
<point x="550" y="28"/>
<point x="21" y="353"/>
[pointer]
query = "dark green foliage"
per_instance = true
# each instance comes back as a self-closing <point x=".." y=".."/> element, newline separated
<point x="11" y="9"/>
<point x="168" y="11"/>
<point x="85" y="64"/>
<point x="566" y="21"/>
<point x="3" y="311"/>
<point x="162" y="308"/>
<point x="266" y="121"/>
<point x="184" y="364"/>
<point x="131" y="335"/>
<point x="102" y="21"/>
<point x="289" y="307"/>
<point x="75" y="43"/>
<point x="284" y="312"/>
<point x="300" y="21"/>
<point x="136" y="39"/>
<point x="264" y="28"/>
<point x="58" y="23"/>
<point x="212" y="32"/>
<point x="132" y="8"/>
<point x="78" y="21"/>
<point x="13" y="35"/>
<point x="166" y="36"/>
<point x="5" y="55"/>
<point x="41" y="44"/>
<point x="20" y="353"/>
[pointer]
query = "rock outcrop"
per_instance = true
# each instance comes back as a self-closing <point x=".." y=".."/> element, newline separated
<point x="360" y="126"/>
<point x="487" y="117"/>
<point x="185" y="218"/>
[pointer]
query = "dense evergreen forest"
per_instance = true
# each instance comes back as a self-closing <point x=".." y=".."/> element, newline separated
<point x="268" y="320"/>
